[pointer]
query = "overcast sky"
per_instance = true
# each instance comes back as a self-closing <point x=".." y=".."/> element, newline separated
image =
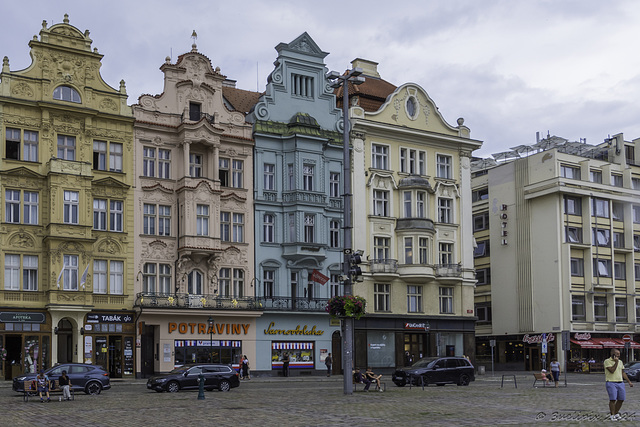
<point x="511" y="68"/>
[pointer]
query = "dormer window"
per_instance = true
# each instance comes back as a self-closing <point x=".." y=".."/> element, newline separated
<point x="66" y="93"/>
<point x="302" y="86"/>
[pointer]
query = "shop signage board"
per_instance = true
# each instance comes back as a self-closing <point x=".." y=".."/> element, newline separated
<point x="21" y="317"/>
<point x="109" y="318"/>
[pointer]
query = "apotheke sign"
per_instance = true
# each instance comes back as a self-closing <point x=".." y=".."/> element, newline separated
<point x="109" y="318"/>
<point x="21" y="317"/>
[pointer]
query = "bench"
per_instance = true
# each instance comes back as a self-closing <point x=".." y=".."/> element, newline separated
<point x="541" y="377"/>
<point x="383" y="385"/>
<point x="31" y="389"/>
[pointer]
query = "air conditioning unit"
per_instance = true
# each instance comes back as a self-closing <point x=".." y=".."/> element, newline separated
<point x="503" y="216"/>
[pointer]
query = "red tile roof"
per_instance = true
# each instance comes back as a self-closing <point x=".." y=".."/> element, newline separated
<point x="370" y="95"/>
<point x="241" y="100"/>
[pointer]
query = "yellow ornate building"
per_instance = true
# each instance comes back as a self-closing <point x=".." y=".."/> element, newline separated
<point x="66" y="228"/>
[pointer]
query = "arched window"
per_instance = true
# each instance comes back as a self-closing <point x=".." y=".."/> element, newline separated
<point x="195" y="282"/>
<point x="66" y="93"/>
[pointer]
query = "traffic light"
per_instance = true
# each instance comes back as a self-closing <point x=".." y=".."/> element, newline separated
<point x="355" y="270"/>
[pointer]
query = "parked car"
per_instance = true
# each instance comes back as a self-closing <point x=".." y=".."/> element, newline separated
<point x="221" y="377"/>
<point x="632" y="369"/>
<point x="91" y="379"/>
<point x="436" y="370"/>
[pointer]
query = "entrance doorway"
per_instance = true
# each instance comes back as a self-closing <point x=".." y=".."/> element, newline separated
<point x="336" y="353"/>
<point x="13" y="363"/>
<point x="147" y="354"/>
<point x="533" y="362"/>
<point x="115" y="356"/>
<point x="64" y="331"/>
<point x="414" y="348"/>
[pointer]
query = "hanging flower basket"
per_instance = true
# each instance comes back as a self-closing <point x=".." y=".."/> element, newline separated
<point x="347" y="306"/>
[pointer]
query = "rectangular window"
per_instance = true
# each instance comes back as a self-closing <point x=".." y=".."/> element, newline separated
<point x="116" y="274"/>
<point x="618" y="239"/>
<point x="66" y="147"/>
<point x="407" y="204"/>
<point x="483" y="276"/>
<point x="268" y="233"/>
<point x="194" y="111"/>
<point x="422" y="169"/>
<point x="100" y="155"/>
<point x="195" y="165"/>
<point x="223" y="172"/>
<point x="302" y="86"/>
<point x="149" y="219"/>
<point x="572" y="205"/>
<point x="238" y="227"/>
<point x="636" y="270"/>
<point x="292" y="228"/>
<point x="408" y="250"/>
<point x="115" y="157"/>
<point x="164" y="220"/>
<point x="446" y="253"/>
<point x="483" y="312"/>
<point x="423" y="250"/>
<point x="635" y="183"/>
<point x="600" y="207"/>
<point x="379" y="157"/>
<point x="268" y="280"/>
<point x="420" y="204"/>
<point x="71" y="207"/>
<point x="445" y="214"/>
<point x="636" y="242"/>
<point x="577" y="267"/>
<point x="616" y="180"/>
<point x="600" y="308"/>
<point x="620" y="270"/>
<point x="12" y="141"/>
<point x="335" y="285"/>
<point x="100" y="276"/>
<point x="334" y="234"/>
<point x="412" y="162"/>
<point x="269" y="177"/>
<point x="70" y="274"/>
<point x="30" y="273"/>
<point x="380" y="203"/>
<point x="238" y="283"/>
<point x="636" y="214"/>
<point x="570" y="172"/>
<point x="446" y="300"/>
<point x="12" y="272"/>
<point x="621" y="310"/>
<point x="573" y="234"/>
<point x="202" y="220"/>
<point x="237" y="173"/>
<point x="617" y="211"/>
<point x="381" y="297"/>
<point x="164" y="164"/>
<point x="403" y="160"/>
<point x="225" y="226"/>
<point x="164" y="276"/>
<point x="307" y="177"/>
<point x="30" y="207"/>
<point x="224" y="282"/>
<point x="148" y="161"/>
<point x="309" y="228"/>
<point x="481" y="221"/>
<point x="414" y="299"/>
<point x="481" y="194"/>
<point x="115" y="215"/>
<point x="149" y="278"/>
<point x="601" y="237"/>
<point x="443" y="166"/>
<point x="381" y="248"/>
<point x="601" y="267"/>
<point x="12" y="206"/>
<point x="482" y="249"/>
<point x="578" y="311"/>
<point x="596" y="176"/>
<point x="99" y="214"/>
<point x="292" y="177"/>
<point x="30" y="152"/>
<point x="334" y="184"/>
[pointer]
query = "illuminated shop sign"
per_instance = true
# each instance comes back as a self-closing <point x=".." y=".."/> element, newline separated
<point x="24" y="317"/>
<point x="109" y="318"/>
<point x="297" y="331"/>
<point x="535" y="339"/>
<point x="424" y="326"/>
<point x="203" y="328"/>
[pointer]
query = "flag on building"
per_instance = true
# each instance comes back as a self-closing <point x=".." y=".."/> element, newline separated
<point x="318" y="277"/>
<point x="60" y="276"/>
<point x="84" y="276"/>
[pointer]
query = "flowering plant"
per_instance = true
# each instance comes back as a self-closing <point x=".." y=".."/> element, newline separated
<point x="3" y="354"/>
<point x="347" y="306"/>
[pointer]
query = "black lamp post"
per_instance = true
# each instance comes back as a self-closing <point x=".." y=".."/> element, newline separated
<point x="210" y="321"/>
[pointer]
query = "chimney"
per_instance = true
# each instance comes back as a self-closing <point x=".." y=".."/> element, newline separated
<point x="369" y="68"/>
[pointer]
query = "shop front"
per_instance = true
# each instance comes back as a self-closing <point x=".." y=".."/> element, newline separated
<point x="170" y="340"/>
<point x="25" y="342"/>
<point x="306" y="341"/>
<point x="589" y="351"/>
<point x="108" y="341"/>
<point x="531" y="352"/>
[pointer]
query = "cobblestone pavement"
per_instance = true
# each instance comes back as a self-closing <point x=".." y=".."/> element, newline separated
<point x="312" y="401"/>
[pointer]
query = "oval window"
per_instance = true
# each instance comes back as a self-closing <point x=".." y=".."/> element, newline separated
<point x="66" y="93"/>
<point x="412" y="107"/>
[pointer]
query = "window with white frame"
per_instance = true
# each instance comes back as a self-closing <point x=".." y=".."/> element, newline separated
<point x="115" y="215"/>
<point x="422" y="163"/>
<point x="194" y="282"/>
<point x="238" y="283"/>
<point x="269" y="177"/>
<point x="202" y="220"/>
<point x="381" y="297"/>
<point x="149" y="278"/>
<point x="620" y="270"/>
<point x="307" y="177"/>
<point x="408" y="250"/>
<point x="334" y="234"/>
<point x="71" y="206"/>
<point x="164" y="220"/>
<point x="443" y="166"/>
<point x="164" y="276"/>
<point x="446" y="253"/>
<point x="224" y="174"/>
<point x="334" y="285"/>
<point x="148" y="218"/>
<point x="381" y="248"/>
<point x="334" y="184"/>
<point x="601" y="267"/>
<point x="446" y="300"/>
<point x="481" y="221"/>
<point x="480" y="194"/>
<point x="12" y="272"/>
<point x="414" y="299"/>
<point x="309" y="228"/>
<point x="99" y="214"/>
<point x="423" y="250"/>
<point x="577" y="267"/>
<point x="70" y="273"/>
<point x="238" y="227"/>
<point x="570" y="172"/>
<point x="30" y="272"/>
<point x="225" y="226"/>
<point x="600" y="207"/>
<point x="116" y="276"/>
<point x="66" y="147"/>
<point x="407" y="204"/>
<point x="224" y="282"/>
<point x="164" y="164"/>
<point x="66" y="93"/>
<point x="115" y="157"/>
<point x="572" y="205"/>
<point x="30" y="151"/>
<point x="420" y="204"/>
<point x="268" y="283"/>
<point x="635" y="183"/>
<point x="237" y="180"/>
<point x="380" y="203"/>
<point x="99" y="276"/>
<point x="195" y="165"/>
<point x="31" y="204"/>
<point x="268" y="233"/>
<point x="618" y="239"/>
<point x="379" y="156"/>
<point x="578" y="311"/>
<point x="30" y="145"/>
<point x="445" y="210"/>
<point x="148" y="161"/>
<point x="100" y="155"/>
<point x="12" y="206"/>
<point x="600" y="308"/>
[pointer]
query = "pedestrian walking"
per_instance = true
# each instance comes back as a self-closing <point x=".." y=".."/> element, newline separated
<point x="614" y="374"/>
<point x="555" y="370"/>
<point x="328" y="361"/>
<point x="65" y="384"/>
<point x="245" y="368"/>
<point x="285" y="365"/>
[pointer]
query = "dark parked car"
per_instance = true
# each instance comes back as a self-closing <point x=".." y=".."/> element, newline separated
<point x="91" y="379"/>
<point x="436" y="370"/>
<point x="222" y="377"/>
<point x="632" y="369"/>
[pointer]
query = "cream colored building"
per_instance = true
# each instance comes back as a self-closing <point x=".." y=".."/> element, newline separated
<point x="412" y="220"/>
<point x="66" y="232"/>
<point x="194" y="256"/>
<point x="557" y="249"/>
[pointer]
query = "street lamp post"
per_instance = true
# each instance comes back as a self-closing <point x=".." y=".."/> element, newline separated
<point x="337" y="80"/>
<point x="210" y="322"/>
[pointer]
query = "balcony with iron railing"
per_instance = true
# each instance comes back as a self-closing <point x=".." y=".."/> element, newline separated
<point x="196" y="116"/>
<point x="448" y="270"/>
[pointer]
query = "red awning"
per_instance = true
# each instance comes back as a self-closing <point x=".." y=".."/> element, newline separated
<point x="587" y="344"/>
<point x="634" y="344"/>
<point x="608" y="342"/>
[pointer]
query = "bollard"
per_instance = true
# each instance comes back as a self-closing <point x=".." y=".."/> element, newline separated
<point x="201" y="389"/>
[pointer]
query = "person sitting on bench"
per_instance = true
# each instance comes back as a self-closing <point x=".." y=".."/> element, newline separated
<point x="359" y="378"/>
<point x="373" y="377"/>
<point x="546" y="376"/>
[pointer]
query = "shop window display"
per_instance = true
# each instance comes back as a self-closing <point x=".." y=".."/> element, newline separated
<point x="204" y="351"/>
<point x="301" y="355"/>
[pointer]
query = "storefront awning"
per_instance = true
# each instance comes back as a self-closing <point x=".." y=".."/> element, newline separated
<point x="587" y="344"/>
<point x="608" y="342"/>
<point x="634" y="345"/>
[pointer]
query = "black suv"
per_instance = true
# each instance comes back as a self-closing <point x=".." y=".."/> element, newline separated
<point x="436" y="370"/>
<point x="222" y="377"/>
<point x="91" y="379"/>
